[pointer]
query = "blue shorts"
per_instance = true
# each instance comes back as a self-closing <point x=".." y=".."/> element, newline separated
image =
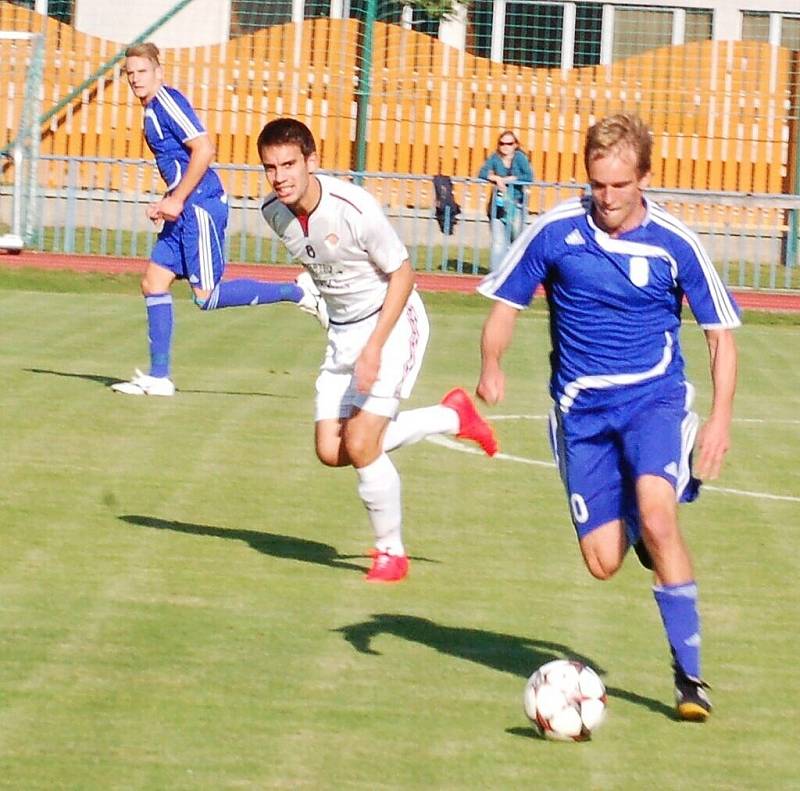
<point x="601" y="453"/>
<point x="193" y="246"/>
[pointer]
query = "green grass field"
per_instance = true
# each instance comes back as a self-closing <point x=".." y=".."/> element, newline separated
<point x="181" y="594"/>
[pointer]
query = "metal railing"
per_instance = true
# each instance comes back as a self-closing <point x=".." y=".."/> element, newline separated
<point x="749" y="237"/>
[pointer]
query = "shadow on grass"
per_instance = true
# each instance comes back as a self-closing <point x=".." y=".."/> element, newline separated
<point x="278" y="546"/>
<point x="507" y="653"/>
<point x="107" y="381"/>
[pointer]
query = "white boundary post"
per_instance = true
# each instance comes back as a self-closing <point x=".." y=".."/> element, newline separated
<point x="23" y="195"/>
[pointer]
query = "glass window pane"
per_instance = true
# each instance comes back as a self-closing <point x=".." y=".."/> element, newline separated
<point x="385" y="10"/>
<point x="57" y="9"/>
<point x="790" y="32"/>
<point x="247" y="16"/>
<point x="638" y="30"/>
<point x="698" y="25"/>
<point x="317" y="8"/>
<point x="755" y="26"/>
<point x="479" y="28"/>
<point x="423" y="22"/>
<point x="588" y="32"/>
<point x="533" y="34"/>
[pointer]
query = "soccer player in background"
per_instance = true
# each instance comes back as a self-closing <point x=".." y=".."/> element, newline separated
<point x="615" y="268"/>
<point x="195" y="212"/>
<point x="377" y="335"/>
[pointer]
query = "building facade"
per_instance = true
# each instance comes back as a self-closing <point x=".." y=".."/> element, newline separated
<point x="538" y="33"/>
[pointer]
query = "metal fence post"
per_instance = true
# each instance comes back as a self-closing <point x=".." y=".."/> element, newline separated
<point x="71" y="208"/>
<point x="363" y="92"/>
<point x="790" y="247"/>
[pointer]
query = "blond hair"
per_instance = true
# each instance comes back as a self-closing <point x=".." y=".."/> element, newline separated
<point x="611" y="134"/>
<point x="144" y="50"/>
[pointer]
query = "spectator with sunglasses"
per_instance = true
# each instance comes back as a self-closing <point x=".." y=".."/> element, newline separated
<point x="508" y="169"/>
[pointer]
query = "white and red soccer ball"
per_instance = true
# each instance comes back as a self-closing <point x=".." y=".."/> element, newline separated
<point x="565" y="700"/>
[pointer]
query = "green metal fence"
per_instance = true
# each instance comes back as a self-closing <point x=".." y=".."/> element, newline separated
<point x="739" y="231"/>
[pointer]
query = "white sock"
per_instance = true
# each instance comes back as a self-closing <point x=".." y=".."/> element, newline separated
<point x="379" y="490"/>
<point x="416" y="424"/>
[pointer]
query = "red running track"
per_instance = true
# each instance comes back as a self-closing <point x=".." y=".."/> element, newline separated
<point x="784" y="301"/>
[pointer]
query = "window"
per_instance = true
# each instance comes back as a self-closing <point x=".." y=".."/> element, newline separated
<point x="588" y="34"/>
<point x="479" y="28"/>
<point x="638" y="30"/>
<point x="314" y="9"/>
<point x="247" y="16"/>
<point x="790" y="32"/>
<point x="699" y="26"/>
<point x="755" y="26"/>
<point x="61" y="10"/>
<point x="533" y="33"/>
<point x="388" y="11"/>
<point x="424" y="23"/>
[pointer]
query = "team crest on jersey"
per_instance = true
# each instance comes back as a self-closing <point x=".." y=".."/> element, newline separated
<point x="332" y="240"/>
<point x="639" y="270"/>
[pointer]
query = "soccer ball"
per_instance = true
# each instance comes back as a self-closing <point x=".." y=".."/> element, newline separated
<point x="565" y="700"/>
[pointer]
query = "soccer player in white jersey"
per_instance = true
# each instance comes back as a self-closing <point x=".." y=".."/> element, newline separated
<point x="194" y="211"/>
<point x="615" y="268"/>
<point x="377" y="335"/>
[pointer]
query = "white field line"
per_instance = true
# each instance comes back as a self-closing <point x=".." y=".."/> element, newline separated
<point x="452" y="444"/>
<point x="758" y="420"/>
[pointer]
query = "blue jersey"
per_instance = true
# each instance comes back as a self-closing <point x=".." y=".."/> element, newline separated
<point x="169" y="123"/>
<point x="615" y="303"/>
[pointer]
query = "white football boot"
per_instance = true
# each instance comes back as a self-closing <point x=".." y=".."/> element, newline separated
<point x="144" y="384"/>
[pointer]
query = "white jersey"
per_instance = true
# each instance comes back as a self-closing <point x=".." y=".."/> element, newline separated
<point x="347" y="245"/>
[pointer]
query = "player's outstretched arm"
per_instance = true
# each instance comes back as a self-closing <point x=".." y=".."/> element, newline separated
<point x="498" y="330"/>
<point x="714" y="440"/>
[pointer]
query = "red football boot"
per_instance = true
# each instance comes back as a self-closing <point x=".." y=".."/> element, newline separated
<point x="470" y="423"/>
<point x="387" y="568"/>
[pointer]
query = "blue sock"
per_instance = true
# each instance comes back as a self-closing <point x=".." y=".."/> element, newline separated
<point x="234" y="293"/>
<point x="678" y="606"/>
<point x="159" y="332"/>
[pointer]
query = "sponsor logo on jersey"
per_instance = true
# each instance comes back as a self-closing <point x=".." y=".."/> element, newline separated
<point x="671" y="469"/>
<point x="574" y="237"/>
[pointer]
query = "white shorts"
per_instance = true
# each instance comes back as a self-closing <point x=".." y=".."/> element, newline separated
<point x="401" y="361"/>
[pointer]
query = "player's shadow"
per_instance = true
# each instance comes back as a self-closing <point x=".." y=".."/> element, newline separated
<point x="504" y="652"/>
<point x="107" y="381"/>
<point x="275" y="545"/>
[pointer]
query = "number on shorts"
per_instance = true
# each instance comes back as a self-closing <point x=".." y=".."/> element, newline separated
<point x="580" y="513"/>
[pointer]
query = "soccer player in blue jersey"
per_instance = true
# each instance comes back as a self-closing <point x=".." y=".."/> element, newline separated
<point x="194" y="211"/>
<point x="615" y="268"/>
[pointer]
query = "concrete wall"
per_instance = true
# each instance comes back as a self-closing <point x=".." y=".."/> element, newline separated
<point x="199" y="23"/>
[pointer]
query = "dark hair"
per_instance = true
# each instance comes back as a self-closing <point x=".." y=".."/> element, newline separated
<point x="287" y="131"/>
<point x="145" y="50"/>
